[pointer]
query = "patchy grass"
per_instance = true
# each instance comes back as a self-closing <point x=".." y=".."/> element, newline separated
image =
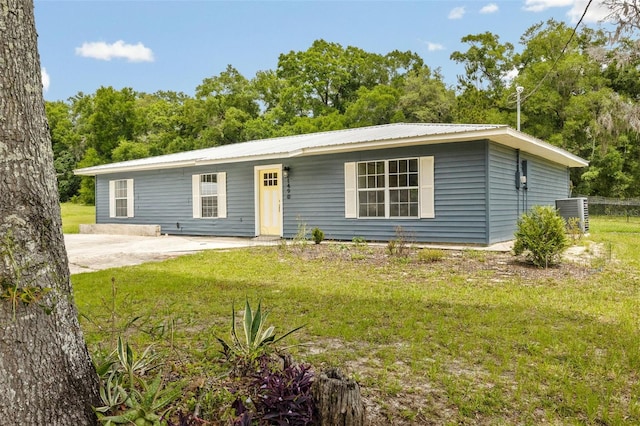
<point x="74" y="214"/>
<point x="464" y="340"/>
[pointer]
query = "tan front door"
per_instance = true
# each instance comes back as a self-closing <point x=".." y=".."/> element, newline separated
<point x="269" y="189"/>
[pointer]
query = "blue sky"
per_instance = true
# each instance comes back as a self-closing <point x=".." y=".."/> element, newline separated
<point x="174" y="45"/>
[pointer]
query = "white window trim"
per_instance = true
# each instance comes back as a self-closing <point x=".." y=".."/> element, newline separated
<point x="112" y="198"/>
<point x="426" y="191"/>
<point x="221" y="181"/>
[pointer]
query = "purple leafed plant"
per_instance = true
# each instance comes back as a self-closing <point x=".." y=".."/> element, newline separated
<point x="284" y="397"/>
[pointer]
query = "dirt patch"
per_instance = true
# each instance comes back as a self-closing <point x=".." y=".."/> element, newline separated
<point x="578" y="261"/>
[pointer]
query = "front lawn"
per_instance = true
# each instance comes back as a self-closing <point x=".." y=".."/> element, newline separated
<point x="469" y="338"/>
<point x="74" y="214"/>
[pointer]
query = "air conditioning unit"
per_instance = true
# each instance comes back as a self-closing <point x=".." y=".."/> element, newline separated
<point x="575" y="208"/>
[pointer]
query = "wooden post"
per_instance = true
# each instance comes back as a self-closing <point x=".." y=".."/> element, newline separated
<point x="337" y="400"/>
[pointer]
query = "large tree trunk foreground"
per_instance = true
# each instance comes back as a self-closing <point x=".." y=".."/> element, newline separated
<point x="46" y="375"/>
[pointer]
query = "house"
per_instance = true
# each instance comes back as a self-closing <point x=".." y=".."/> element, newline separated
<point x="445" y="183"/>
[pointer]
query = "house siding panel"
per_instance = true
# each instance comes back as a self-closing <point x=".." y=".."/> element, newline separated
<point x="314" y="195"/>
<point x="317" y="196"/>
<point x="164" y="198"/>
<point x="546" y="182"/>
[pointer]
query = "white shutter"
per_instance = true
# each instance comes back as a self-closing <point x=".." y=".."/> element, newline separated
<point x="112" y="198"/>
<point x="427" y="192"/>
<point x="350" y="191"/>
<point x="130" y="198"/>
<point x="195" y="193"/>
<point x="221" y="179"/>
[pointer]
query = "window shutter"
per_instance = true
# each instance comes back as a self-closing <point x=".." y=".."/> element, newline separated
<point x="427" y="192"/>
<point x="350" y="191"/>
<point x="221" y="178"/>
<point x="195" y="192"/>
<point x="112" y="198"/>
<point x="130" y="198"/>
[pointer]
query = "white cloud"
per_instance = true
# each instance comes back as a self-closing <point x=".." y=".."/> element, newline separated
<point x="46" y="80"/>
<point x="540" y="5"/>
<point x="433" y="47"/>
<point x="509" y="76"/>
<point x="119" y="49"/>
<point x="490" y="8"/>
<point x="456" y="13"/>
<point x="596" y="12"/>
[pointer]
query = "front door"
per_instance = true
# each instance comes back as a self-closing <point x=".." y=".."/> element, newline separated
<point x="269" y="194"/>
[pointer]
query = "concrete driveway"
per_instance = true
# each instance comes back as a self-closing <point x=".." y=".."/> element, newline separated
<point x="93" y="252"/>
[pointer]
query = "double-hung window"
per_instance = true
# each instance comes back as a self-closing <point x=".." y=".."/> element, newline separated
<point x="121" y="198"/>
<point x="209" y="195"/>
<point x="399" y="188"/>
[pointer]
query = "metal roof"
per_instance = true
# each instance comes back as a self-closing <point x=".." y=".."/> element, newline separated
<point x="364" y="138"/>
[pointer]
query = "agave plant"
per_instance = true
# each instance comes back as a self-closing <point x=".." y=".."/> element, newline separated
<point x="128" y="396"/>
<point x="256" y="340"/>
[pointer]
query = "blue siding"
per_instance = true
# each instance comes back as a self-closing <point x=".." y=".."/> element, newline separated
<point x="317" y="196"/>
<point x="546" y="182"/>
<point x="471" y="180"/>
<point x="163" y="197"/>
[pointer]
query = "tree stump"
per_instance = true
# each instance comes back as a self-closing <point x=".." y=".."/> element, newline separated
<point x="337" y="399"/>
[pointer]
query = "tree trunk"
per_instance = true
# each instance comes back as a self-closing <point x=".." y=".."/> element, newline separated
<point x="337" y="400"/>
<point x="46" y="374"/>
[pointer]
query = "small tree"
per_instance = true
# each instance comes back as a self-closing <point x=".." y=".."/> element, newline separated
<point x="541" y="235"/>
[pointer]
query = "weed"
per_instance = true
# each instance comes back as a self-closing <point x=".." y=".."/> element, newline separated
<point x="574" y="229"/>
<point x="359" y="241"/>
<point x="477" y="255"/>
<point x="430" y="255"/>
<point x="301" y="239"/>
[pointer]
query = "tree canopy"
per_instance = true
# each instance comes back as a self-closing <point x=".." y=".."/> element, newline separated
<point x="580" y="93"/>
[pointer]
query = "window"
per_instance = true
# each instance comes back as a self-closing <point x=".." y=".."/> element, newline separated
<point x="400" y="188"/>
<point x="209" y="195"/>
<point x="121" y="198"/>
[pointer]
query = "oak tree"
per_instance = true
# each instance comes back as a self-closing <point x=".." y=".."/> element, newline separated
<point x="46" y="375"/>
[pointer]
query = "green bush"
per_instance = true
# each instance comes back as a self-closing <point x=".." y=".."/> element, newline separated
<point x="541" y="236"/>
<point x="318" y="235"/>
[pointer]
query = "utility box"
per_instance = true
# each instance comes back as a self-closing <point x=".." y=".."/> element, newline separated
<point x="575" y="208"/>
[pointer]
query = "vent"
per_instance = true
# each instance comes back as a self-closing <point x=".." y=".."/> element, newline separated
<point x="575" y="208"/>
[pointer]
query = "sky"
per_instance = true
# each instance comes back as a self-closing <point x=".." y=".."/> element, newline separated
<point x="156" y="45"/>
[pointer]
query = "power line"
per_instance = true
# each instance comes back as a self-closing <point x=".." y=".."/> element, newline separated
<point x="566" y="46"/>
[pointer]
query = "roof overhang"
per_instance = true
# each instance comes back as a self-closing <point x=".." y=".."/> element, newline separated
<point x="502" y="135"/>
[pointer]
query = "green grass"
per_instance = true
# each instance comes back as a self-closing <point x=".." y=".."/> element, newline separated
<point x="74" y="214"/>
<point x="429" y="344"/>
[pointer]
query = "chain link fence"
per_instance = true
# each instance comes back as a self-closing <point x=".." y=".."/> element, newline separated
<point x="605" y="206"/>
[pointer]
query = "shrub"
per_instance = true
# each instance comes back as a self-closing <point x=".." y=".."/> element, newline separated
<point x="318" y="235"/>
<point x="541" y="236"/>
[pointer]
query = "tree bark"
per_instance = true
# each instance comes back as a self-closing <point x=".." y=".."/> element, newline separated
<point x="46" y="374"/>
<point x="338" y="400"/>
